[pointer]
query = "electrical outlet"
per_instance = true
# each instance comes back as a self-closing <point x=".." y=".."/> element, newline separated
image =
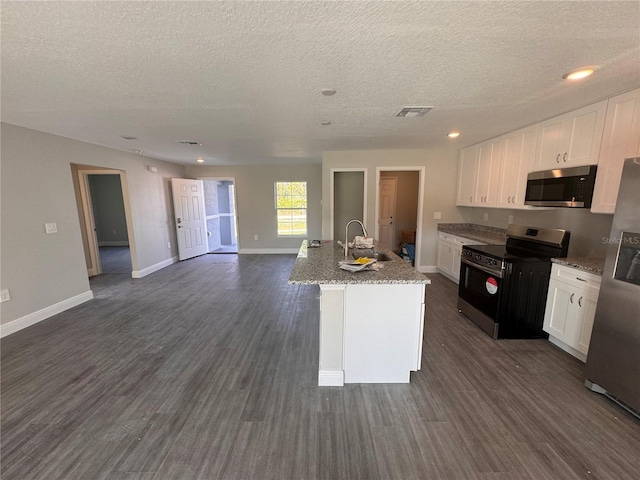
<point x="255" y="237"/>
<point x="115" y="233"/>
<point x="51" y="227"/>
<point x="510" y="219"/>
<point x="437" y="215"/>
<point x="486" y="217"/>
<point x="4" y="295"/>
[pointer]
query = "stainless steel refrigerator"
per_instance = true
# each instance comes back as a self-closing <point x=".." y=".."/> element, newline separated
<point x="613" y="362"/>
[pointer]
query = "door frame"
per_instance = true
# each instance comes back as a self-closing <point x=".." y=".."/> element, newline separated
<point x="236" y="217"/>
<point x="89" y="222"/>
<point x="332" y="173"/>
<point x="421" y="179"/>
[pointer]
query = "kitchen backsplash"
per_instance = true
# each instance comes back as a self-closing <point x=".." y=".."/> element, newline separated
<point x="589" y="231"/>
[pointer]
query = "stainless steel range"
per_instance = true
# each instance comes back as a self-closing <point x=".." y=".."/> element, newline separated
<point x="503" y="288"/>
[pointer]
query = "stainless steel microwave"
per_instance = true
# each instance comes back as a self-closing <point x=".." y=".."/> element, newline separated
<point x="564" y="187"/>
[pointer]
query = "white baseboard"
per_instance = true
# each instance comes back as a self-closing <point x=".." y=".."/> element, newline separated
<point x="253" y="251"/>
<point x="427" y="269"/>
<point x="35" y="317"/>
<point x="153" y="268"/>
<point x="330" y="378"/>
<point x="115" y="243"/>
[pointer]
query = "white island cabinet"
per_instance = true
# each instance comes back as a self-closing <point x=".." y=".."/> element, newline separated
<point x="371" y="323"/>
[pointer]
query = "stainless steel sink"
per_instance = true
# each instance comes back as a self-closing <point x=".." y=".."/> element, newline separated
<point x="379" y="256"/>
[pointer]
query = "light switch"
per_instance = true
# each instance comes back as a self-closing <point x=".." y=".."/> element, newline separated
<point x="437" y="215"/>
<point x="51" y="227"/>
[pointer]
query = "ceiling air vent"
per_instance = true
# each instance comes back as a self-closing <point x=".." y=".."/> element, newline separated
<point x="188" y="142"/>
<point x="413" y="111"/>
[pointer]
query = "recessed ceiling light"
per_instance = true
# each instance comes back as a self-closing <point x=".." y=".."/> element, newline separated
<point x="327" y="92"/>
<point x="200" y="160"/>
<point x="126" y="137"/>
<point x="453" y="134"/>
<point x="413" y="111"/>
<point x="324" y="123"/>
<point x="579" y="73"/>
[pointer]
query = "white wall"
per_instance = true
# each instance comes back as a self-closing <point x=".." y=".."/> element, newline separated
<point x="42" y="271"/>
<point x="255" y="202"/>
<point x="441" y="170"/>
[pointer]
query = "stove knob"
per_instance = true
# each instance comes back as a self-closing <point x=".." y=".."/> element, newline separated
<point x="479" y="258"/>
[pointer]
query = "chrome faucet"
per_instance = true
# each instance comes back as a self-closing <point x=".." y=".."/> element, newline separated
<point x="346" y="235"/>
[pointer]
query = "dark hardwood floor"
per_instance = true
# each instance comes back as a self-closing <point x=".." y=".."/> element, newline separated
<point x="207" y="369"/>
<point x="115" y="260"/>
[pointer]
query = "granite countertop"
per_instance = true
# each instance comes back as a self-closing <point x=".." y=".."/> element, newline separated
<point x="586" y="264"/>
<point x="319" y="266"/>
<point x="479" y="233"/>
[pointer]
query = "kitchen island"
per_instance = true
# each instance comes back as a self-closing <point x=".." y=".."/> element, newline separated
<point x="371" y="322"/>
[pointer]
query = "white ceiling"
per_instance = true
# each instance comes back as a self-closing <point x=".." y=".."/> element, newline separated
<point x="244" y="78"/>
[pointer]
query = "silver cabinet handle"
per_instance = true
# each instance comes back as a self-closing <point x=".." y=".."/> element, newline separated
<point x="564" y="157"/>
<point x="558" y="159"/>
<point x="513" y="199"/>
<point x="508" y="199"/>
<point x="580" y="302"/>
<point x="581" y="279"/>
<point x="471" y="199"/>
<point x="571" y="297"/>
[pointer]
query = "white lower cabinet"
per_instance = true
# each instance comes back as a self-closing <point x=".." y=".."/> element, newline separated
<point x="450" y="253"/>
<point x="571" y="309"/>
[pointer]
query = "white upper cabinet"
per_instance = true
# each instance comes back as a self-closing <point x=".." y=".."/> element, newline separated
<point x="572" y="139"/>
<point x="488" y="176"/>
<point x="468" y="167"/>
<point x="518" y="152"/>
<point x="621" y="139"/>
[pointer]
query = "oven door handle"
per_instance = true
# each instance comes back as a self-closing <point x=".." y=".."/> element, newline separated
<point x="483" y="268"/>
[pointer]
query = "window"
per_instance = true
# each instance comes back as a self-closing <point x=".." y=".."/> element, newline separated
<point x="291" y="208"/>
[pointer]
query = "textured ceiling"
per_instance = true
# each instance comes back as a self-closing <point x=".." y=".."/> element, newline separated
<point x="244" y="78"/>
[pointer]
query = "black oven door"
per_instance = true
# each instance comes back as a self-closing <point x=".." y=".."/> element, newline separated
<point x="481" y="288"/>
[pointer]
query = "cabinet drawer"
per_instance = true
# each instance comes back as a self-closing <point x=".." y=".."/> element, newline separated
<point x="447" y="237"/>
<point x="575" y="277"/>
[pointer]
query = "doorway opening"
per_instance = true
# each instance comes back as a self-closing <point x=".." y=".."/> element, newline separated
<point x="220" y="213"/>
<point x="400" y="193"/>
<point x="104" y="214"/>
<point x="348" y="199"/>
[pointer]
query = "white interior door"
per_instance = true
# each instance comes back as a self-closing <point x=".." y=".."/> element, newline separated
<point x="191" y="224"/>
<point x="386" y="226"/>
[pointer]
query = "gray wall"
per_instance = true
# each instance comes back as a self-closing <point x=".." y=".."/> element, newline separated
<point x="256" y="212"/>
<point x="441" y="170"/>
<point x="406" y="201"/>
<point x="587" y="229"/>
<point x="108" y="210"/>
<point x="348" y="201"/>
<point x="42" y="270"/>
